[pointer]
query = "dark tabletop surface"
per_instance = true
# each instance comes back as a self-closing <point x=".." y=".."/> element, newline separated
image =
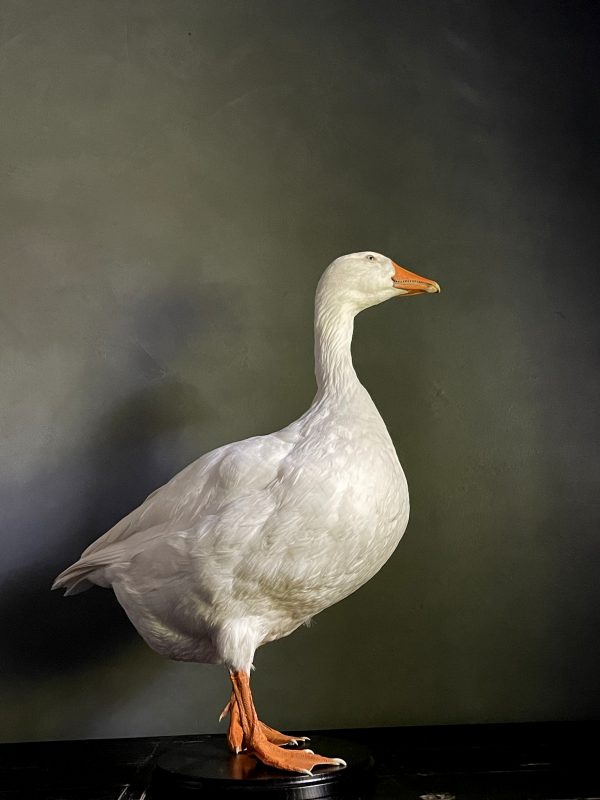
<point x="531" y="761"/>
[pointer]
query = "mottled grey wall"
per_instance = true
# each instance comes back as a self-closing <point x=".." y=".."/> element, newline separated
<point x="175" y="176"/>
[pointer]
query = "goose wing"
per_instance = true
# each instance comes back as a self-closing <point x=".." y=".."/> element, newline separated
<point x="203" y="488"/>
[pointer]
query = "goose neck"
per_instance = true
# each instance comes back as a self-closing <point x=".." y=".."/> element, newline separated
<point x="334" y="326"/>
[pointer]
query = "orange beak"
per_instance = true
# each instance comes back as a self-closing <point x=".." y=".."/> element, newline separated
<point x="410" y="283"/>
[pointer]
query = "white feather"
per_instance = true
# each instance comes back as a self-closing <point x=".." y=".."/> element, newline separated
<point x="254" y="538"/>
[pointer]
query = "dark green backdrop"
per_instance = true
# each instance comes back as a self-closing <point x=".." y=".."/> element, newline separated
<point x="175" y="176"/>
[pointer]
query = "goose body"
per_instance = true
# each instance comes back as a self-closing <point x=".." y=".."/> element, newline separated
<point x="256" y="537"/>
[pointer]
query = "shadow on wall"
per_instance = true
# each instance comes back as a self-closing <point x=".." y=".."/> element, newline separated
<point x="44" y="633"/>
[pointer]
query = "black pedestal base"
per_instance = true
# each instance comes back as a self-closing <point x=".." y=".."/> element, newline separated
<point x="207" y="769"/>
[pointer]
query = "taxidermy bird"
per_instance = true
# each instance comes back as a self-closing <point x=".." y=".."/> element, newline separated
<point x="253" y="539"/>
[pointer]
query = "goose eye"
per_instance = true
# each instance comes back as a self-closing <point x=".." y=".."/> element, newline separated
<point x="370" y="258"/>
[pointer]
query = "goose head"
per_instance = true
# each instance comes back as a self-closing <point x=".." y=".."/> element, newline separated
<point x="365" y="279"/>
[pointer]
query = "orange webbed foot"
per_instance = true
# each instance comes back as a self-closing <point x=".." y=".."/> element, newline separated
<point x="265" y="743"/>
<point x="290" y="760"/>
<point x="235" y="733"/>
<point x="276" y="737"/>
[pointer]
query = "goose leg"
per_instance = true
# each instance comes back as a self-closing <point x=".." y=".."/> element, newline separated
<point x="256" y="739"/>
<point x="235" y="734"/>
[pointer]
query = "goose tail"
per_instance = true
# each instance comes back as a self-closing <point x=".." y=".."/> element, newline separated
<point x="73" y="580"/>
<point x="86" y="572"/>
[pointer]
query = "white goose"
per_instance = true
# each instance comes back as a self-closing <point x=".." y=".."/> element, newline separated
<point x="253" y="539"/>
